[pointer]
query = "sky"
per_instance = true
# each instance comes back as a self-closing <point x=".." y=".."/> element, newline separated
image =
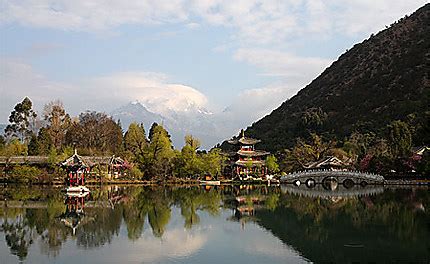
<point x="176" y="54"/>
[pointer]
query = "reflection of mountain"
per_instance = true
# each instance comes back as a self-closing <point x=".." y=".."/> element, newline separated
<point x="350" y="230"/>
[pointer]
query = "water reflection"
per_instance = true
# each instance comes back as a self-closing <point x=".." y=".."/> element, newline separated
<point x="355" y="224"/>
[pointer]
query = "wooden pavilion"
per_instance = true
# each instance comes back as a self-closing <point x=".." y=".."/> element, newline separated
<point x="117" y="167"/>
<point x="76" y="168"/>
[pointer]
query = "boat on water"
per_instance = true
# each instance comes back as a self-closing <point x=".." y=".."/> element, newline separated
<point x="80" y="189"/>
<point x="210" y="182"/>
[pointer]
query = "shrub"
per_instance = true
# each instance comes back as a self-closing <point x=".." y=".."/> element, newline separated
<point x="24" y="174"/>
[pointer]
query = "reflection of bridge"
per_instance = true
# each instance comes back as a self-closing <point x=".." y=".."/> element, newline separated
<point x="330" y="179"/>
<point x="320" y="191"/>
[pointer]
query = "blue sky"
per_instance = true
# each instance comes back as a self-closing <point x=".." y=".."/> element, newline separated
<point x="248" y="55"/>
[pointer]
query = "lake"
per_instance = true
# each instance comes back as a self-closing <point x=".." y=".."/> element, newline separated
<point x="219" y="224"/>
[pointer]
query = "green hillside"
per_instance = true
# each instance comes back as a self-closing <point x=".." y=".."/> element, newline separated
<point x="382" y="79"/>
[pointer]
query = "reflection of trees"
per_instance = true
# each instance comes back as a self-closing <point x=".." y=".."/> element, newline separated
<point x="106" y="224"/>
<point x="18" y="235"/>
<point x="134" y="213"/>
<point x="382" y="228"/>
<point x="191" y="200"/>
<point x="317" y="227"/>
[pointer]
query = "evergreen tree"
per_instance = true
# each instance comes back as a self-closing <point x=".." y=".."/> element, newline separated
<point x="33" y="146"/>
<point x="158" y="159"/>
<point x="135" y="141"/>
<point x="191" y="163"/>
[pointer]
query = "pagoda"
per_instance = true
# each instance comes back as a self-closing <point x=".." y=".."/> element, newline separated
<point x="246" y="162"/>
<point x="76" y="168"/>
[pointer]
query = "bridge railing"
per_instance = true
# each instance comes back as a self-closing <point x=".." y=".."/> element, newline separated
<point x="325" y="172"/>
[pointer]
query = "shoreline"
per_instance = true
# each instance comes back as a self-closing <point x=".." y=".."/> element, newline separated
<point x="393" y="182"/>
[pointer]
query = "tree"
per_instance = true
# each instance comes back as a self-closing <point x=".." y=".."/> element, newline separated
<point x="160" y="154"/>
<point x="212" y="162"/>
<point x="33" y="146"/>
<point x="96" y="133"/>
<point x="190" y="162"/>
<point x="40" y="144"/>
<point x="58" y="122"/>
<point x="272" y="164"/>
<point x="135" y="141"/>
<point x="22" y="119"/>
<point x="399" y="139"/>
<point x="15" y="148"/>
<point x="193" y="142"/>
<point x="304" y="152"/>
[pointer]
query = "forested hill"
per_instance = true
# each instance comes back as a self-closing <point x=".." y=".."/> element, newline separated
<point x="382" y="79"/>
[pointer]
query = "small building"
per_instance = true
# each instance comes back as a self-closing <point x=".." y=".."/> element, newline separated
<point x="76" y="168"/>
<point x="117" y="167"/>
<point x="328" y="163"/>
<point x="246" y="162"/>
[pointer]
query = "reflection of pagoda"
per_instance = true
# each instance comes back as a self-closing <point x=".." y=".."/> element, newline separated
<point x="74" y="215"/>
<point x="246" y="162"/>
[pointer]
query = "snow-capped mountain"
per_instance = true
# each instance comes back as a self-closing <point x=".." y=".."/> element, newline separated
<point x="196" y="121"/>
<point x="135" y="112"/>
<point x="210" y="128"/>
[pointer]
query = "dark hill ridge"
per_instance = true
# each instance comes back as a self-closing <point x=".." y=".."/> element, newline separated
<point x="382" y="79"/>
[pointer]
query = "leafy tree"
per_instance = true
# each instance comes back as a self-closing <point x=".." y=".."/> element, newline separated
<point x="212" y="162"/>
<point x="58" y="122"/>
<point x="33" y="146"/>
<point x="22" y="120"/>
<point x="158" y="159"/>
<point x="399" y="139"/>
<point x="96" y="133"/>
<point x="358" y="144"/>
<point x="314" y="150"/>
<point x="135" y="141"/>
<point x="190" y="162"/>
<point x="41" y="144"/>
<point x="272" y="164"/>
<point x="193" y="142"/>
<point x="15" y="148"/>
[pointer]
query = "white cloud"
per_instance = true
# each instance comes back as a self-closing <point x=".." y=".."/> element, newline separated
<point x="19" y="79"/>
<point x="298" y="71"/>
<point x="176" y="243"/>
<point x="254" y="21"/>
<point x="252" y="105"/>
<point x="193" y="25"/>
<point x="152" y="89"/>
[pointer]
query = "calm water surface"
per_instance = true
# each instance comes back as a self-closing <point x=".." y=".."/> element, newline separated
<point x="228" y="224"/>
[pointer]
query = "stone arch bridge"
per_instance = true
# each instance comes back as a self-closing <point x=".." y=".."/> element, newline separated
<point x="330" y="179"/>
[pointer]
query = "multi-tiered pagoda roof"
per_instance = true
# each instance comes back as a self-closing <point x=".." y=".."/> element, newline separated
<point x="246" y="159"/>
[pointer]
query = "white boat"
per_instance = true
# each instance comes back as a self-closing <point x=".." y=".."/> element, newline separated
<point x="77" y="189"/>
<point x="210" y="182"/>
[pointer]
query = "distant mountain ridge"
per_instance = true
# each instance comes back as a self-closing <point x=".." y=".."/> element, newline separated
<point x="196" y="121"/>
<point x="384" y="78"/>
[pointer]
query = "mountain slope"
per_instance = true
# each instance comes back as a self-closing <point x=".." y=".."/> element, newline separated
<point x="382" y="79"/>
